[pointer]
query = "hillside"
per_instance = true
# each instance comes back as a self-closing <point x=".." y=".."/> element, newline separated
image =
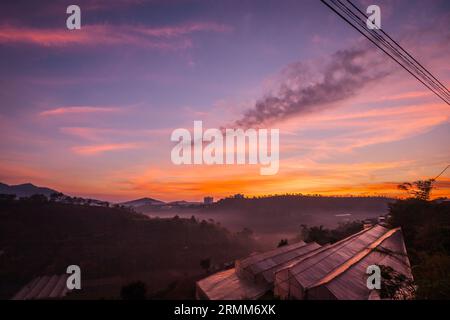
<point x="281" y="213"/>
<point x="113" y="246"/>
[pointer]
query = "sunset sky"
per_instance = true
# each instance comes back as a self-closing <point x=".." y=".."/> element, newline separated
<point x="90" y="112"/>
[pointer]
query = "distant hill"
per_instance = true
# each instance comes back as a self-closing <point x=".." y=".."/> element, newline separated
<point x="143" y="202"/>
<point x="298" y="202"/>
<point x="25" y="190"/>
<point x="183" y="203"/>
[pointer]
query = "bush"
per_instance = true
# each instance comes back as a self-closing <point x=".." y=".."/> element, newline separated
<point x="134" y="291"/>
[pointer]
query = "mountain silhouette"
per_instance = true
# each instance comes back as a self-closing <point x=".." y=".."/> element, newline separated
<point x="25" y="190"/>
<point x="142" y="202"/>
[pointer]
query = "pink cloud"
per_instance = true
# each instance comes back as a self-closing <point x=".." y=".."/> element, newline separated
<point x="170" y="37"/>
<point x="77" y="109"/>
<point x="98" y="134"/>
<point x="407" y="95"/>
<point x="345" y="130"/>
<point x="84" y="133"/>
<point x="98" y="149"/>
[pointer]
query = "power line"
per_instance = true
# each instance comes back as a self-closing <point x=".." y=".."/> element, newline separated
<point x="385" y="46"/>
<point x="401" y="53"/>
<point x="398" y="51"/>
<point x="442" y="172"/>
<point x="391" y="48"/>
<point x="410" y="56"/>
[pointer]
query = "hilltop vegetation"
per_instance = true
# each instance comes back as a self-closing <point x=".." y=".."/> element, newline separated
<point x="312" y="202"/>
<point x="426" y="228"/>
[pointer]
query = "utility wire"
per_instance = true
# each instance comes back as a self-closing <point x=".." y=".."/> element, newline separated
<point x="442" y="172"/>
<point x="378" y="38"/>
<point x="410" y="56"/>
<point x="397" y="50"/>
<point x="418" y="71"/>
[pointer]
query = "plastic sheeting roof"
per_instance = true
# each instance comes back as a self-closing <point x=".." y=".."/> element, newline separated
<point x="267" y="263"/>
<point x="338" y="271"/>
<point x="350" y="283"/>
<point x="253" y="276"/>
<point x="45" y="287"/>
<point x="226" y="285"/>
<point x="310" y="270"/>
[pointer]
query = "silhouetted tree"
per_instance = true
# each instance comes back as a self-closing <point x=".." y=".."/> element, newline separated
<point x="134" y="291"/>
<point x="7" y="197"/>
<point x="246" y="233"/>
<point x="56" y="196"/>
<point x="396" y="286"/>
<point x="420" y="189"/>
<point x="425" y="227"/>
<point x="322" y="235"/>
<point x="283" y="242"/>
<point x="205" y="264"/>
<point x="38" y="198"/>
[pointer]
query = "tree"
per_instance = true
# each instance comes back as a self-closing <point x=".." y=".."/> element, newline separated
<point x="38" y="198"/>
<point x="246" y="233"/>
<point x="396" y="286"/>
<point x="318" y="234"/>
<point x="425" y="227"/>
<point x="323" y="235"/>
<point x="134" y="291"/>
<point x="7" y="197"/>
<point x="420" y="189"/>
<point x="55" y="196"/>
<point x="205" y="264"/>
<point x="283" y="242"/>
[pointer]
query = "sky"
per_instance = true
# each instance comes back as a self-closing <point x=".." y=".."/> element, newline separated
<point x="90" y="112"/>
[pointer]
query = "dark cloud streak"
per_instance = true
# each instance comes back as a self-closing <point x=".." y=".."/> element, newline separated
<point x="307" y="87"/>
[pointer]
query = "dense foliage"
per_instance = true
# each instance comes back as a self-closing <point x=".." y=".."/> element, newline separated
<point x="113" y="246"/>
<point x="426" y="228"/>
<point x="323" y="235"/>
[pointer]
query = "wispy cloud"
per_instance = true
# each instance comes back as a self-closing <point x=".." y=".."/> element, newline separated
<point x="101" y="134"/>
<point x="101" y="148"/>
<point x="92" y="134"/>
<point x="77" y="110"/>
<point x="166" y="37"/>
<point x="406" y="96"/>
<point x="333" y="132"/>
